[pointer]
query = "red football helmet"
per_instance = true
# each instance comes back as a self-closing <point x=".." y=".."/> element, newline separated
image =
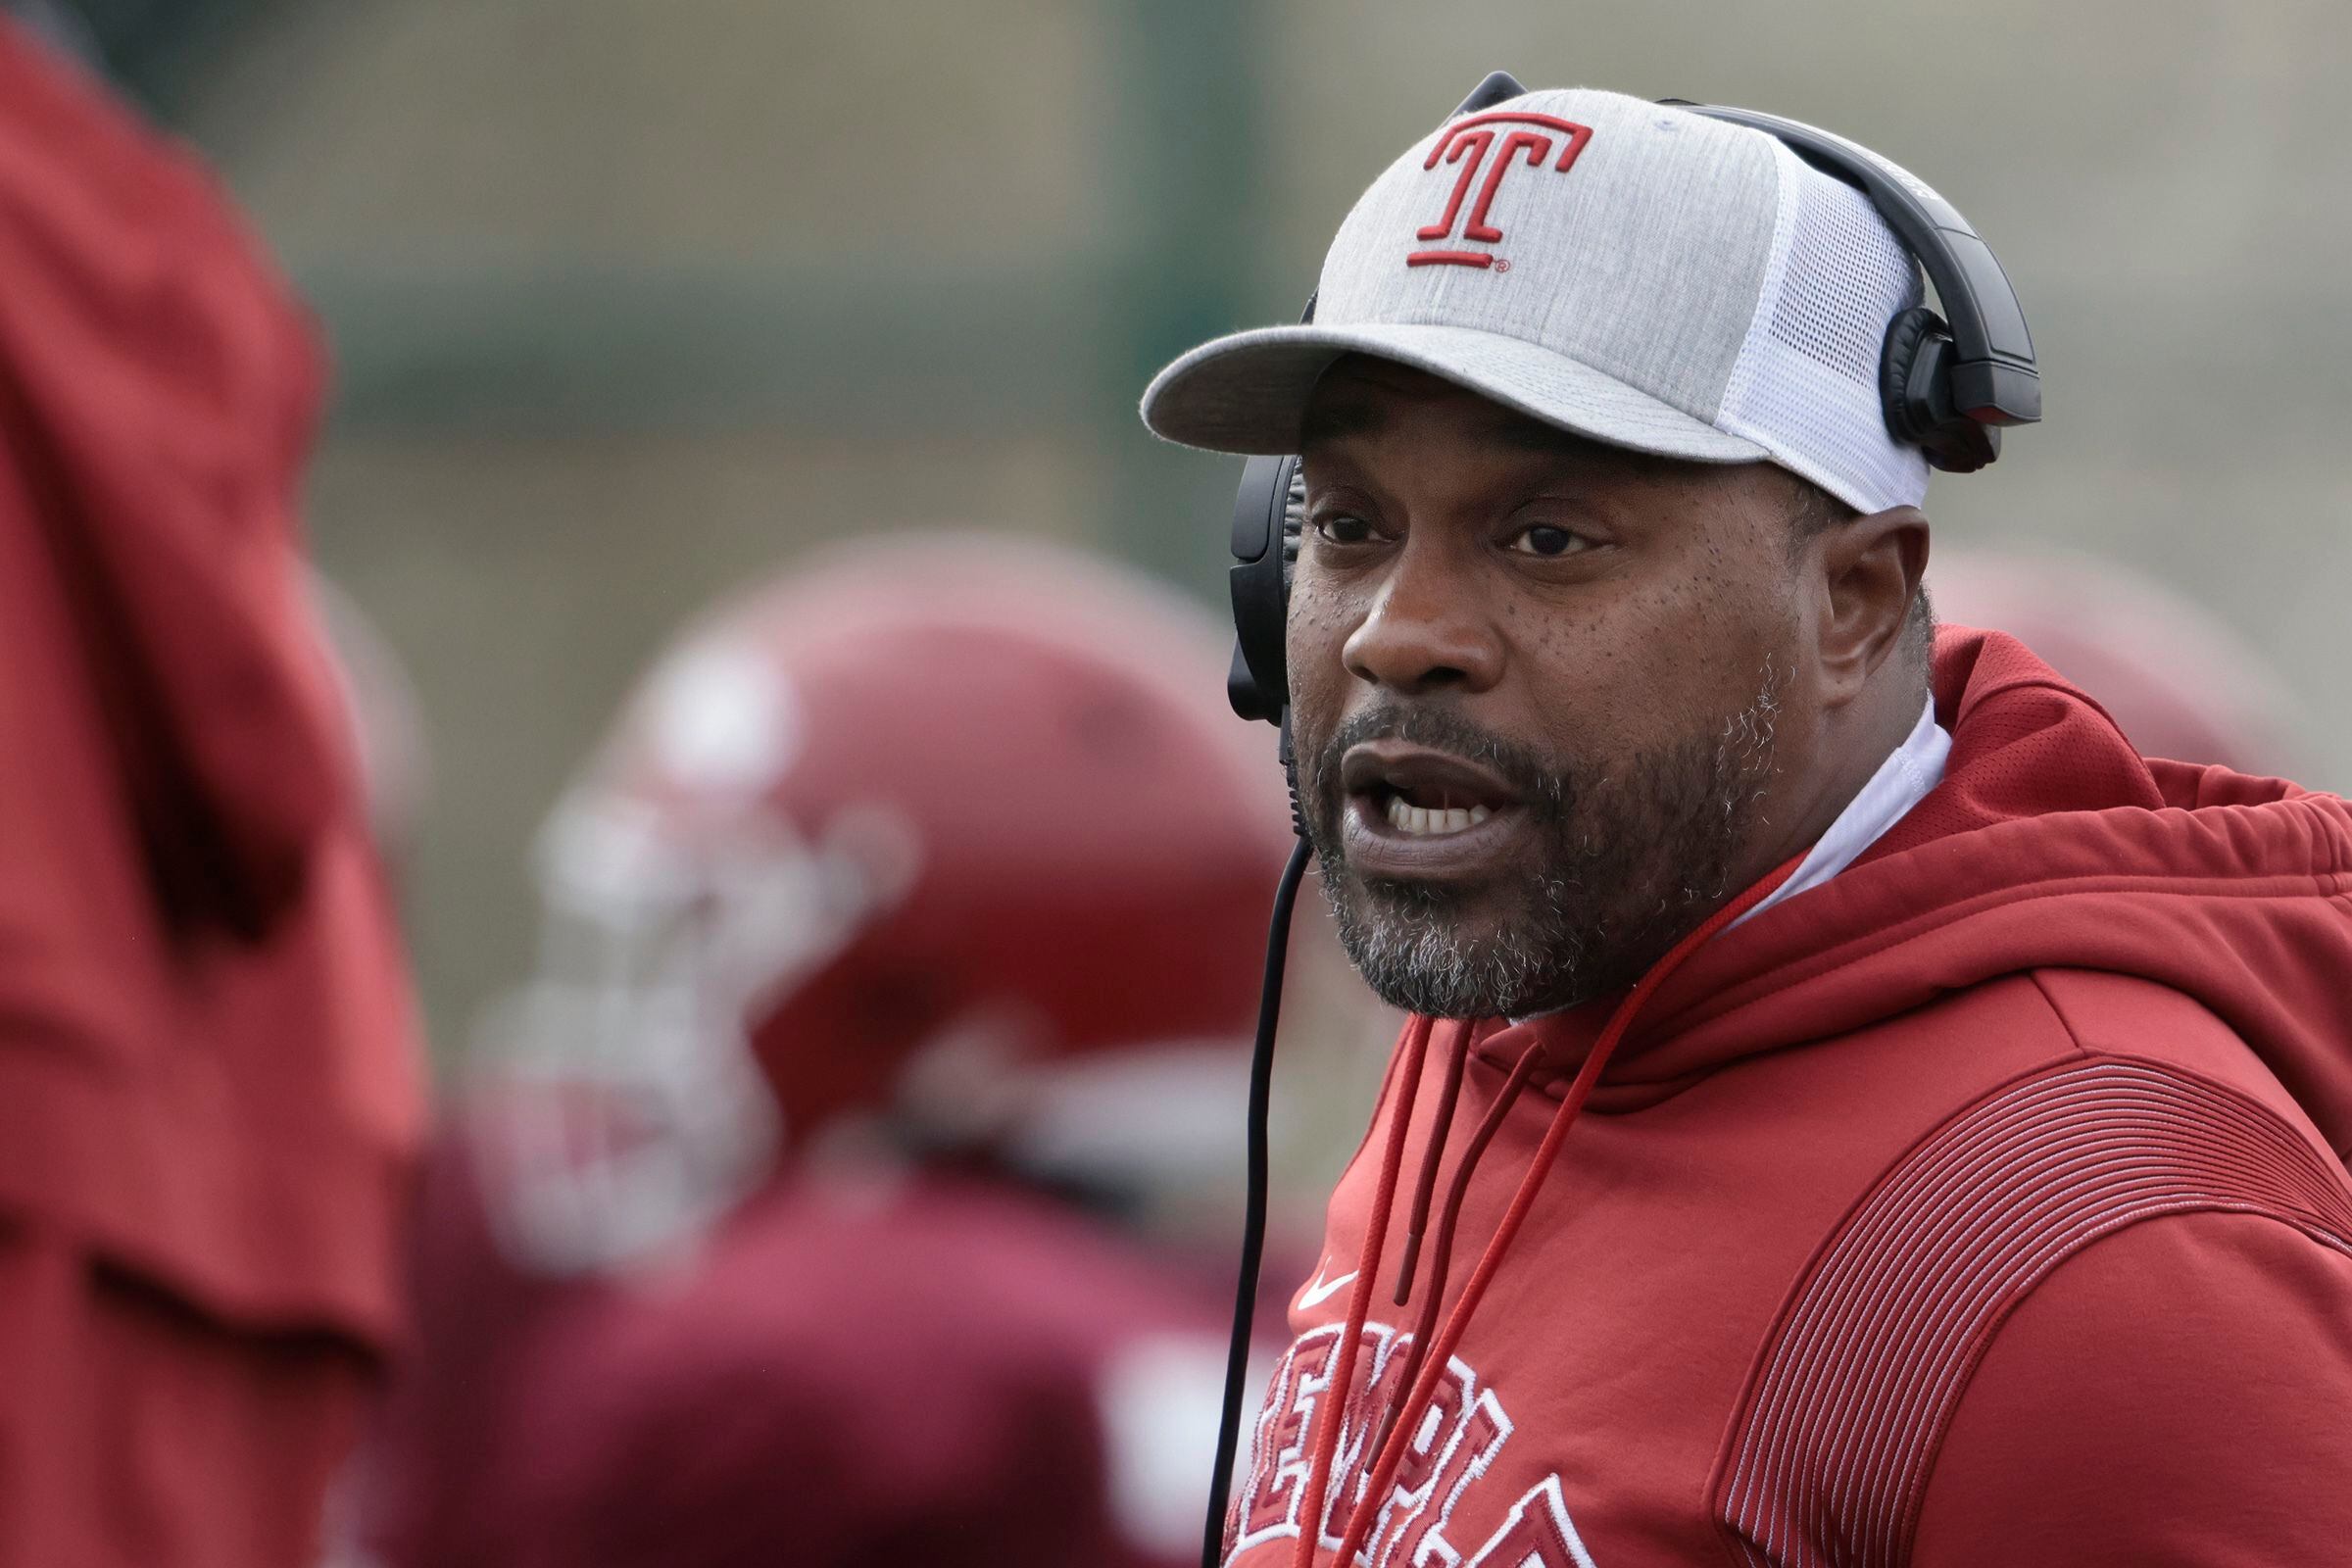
<point x="2175" y="677"/>
<point x="920" y="833"/>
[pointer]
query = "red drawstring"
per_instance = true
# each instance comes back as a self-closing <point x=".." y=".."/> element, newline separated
<point x="1343" y="1371"/>
<point x="1441" y="1263"/>
<point x="1456" y="1055"/>
<point x="1433" y="1365"/>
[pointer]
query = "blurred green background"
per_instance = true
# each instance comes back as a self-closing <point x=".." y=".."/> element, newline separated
<point x="631" y="298"/>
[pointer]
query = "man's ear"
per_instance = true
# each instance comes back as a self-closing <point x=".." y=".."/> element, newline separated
<point x="1871" y="568"/>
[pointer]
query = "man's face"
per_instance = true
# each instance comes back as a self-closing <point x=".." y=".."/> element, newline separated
<point x="1538" y="687"/>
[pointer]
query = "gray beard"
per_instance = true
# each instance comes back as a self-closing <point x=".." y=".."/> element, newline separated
<point x="1630" y="860"/>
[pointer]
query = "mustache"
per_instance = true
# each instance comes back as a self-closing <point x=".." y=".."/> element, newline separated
<point x="1543" y="782"/>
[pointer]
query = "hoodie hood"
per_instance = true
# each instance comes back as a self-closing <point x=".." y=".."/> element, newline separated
<point x="2050" y="843"/>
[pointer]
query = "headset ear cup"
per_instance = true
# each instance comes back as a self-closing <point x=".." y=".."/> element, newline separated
<point x="1904" y="336"/>
<point x="1915" y="392"/>
<point x="1266" y="543"/>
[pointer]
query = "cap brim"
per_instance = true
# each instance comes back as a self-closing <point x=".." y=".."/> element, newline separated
<point x="1245" y="393"/>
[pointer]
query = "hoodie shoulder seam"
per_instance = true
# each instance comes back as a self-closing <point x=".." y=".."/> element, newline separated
<point x="2073" y="1036"/>
<point x="1881" y="1335"/>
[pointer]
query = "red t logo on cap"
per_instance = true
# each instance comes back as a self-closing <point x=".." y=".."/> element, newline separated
<point x="1467" y="142"/>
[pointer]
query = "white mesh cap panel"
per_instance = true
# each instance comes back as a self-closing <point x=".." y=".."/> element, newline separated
<point x="1805" y="386"/>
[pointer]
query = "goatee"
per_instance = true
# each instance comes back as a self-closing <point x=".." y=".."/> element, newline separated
<point x="1630" y="854"/>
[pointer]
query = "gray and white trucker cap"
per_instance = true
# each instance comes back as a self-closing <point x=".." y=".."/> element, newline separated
<point x="1635" y="273"/>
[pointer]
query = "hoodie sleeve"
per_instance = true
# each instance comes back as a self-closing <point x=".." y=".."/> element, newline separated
<point x="208" y="1046"/>
<point x="162" y="388"/>
<point x="2179" y="1392"/>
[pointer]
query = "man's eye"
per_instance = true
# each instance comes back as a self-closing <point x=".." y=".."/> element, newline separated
<point x="1343" y="529"/>
<point x="1545" y="540"/>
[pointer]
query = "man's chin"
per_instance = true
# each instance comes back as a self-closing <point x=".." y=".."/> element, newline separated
<point x="1471" y="913"/>
<point x="1452" y="952"/>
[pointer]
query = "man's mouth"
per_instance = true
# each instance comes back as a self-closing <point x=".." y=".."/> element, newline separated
<point x="1414" y="813"/>
<point x="1427" y="822"/>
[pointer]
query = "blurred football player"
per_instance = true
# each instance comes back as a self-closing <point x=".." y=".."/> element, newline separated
<point x="208" y="1095"/>
<point x="900" y="947"/>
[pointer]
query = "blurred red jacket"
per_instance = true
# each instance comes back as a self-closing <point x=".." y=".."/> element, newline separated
<point x="852" y="1371"/>
<point x="1984" y="1204"/>
<point x="207" y="1071"/>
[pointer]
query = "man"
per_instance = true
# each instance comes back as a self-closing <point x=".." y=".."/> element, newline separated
<point x="207" y="1089"/>
<point x="1856" y="1110"/>
<point x="827" y="1206"/>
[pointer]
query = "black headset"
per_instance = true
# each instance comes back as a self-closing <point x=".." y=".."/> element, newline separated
<point x="1947" y="385"/>
<point x="1947" y="382"/>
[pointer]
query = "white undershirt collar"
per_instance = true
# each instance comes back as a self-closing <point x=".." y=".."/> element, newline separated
<point x="1901" y="782"/>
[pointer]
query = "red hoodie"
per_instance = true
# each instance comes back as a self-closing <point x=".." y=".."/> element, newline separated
<point x="207" y="1062"/>
<point x="1984" y="1204"/>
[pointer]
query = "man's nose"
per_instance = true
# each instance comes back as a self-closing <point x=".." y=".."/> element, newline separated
<point x="1427" y="629"/>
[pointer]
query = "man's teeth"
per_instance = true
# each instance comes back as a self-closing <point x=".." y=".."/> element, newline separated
<point x="1427" y="822"/>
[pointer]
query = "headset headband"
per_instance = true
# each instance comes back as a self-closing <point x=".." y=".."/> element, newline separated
<point x="1993" y="380"/>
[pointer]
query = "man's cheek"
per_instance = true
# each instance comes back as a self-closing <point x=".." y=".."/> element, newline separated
<point x="1315" y="635"/>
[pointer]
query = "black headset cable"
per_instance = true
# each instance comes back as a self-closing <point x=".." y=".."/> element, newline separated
<point x="1254" y="1218"/>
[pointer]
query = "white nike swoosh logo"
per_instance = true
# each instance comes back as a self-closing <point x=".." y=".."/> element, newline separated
<point x="1323" y="1289"/>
